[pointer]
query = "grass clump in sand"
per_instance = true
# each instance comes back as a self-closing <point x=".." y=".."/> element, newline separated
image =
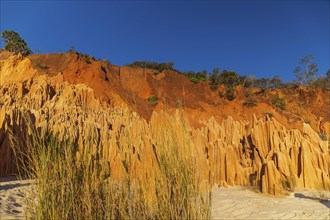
<point x="81" y="183"/>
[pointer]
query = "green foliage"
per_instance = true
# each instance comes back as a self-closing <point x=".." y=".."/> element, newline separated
<point x="266" y="83"/>
<point x="87" y="60"/>
<point x="305" y="72"/>
<point x="230" y="94"/>
<point x="152" y="100"/>
<point x="216" y="71"/>
<point x="263" y="83"/>
<point x="323" y="136"/>
<point x="196" y="77"/>
<point x="305" y="75"/>
<point x="214" y="79"/>
<point x="14" y="43"/>
<point x="153" y="65"/>
<point x="250" y="102"/>
<point x="276" y="82"/>
<point x="279" y="103"/>
<point x="231" y="78"/>
<point x="228" y="78"/>
<point x="43" y="67"/>
<point x="322" y="82"/>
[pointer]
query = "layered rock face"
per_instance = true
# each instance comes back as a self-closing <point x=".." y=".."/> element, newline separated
<point x="265" y="154"/>
<point x="261" y="152"/>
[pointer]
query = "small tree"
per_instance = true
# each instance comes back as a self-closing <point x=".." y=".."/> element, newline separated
<point x="250" y="81"/>
<point x="214" y="78"/>
<point x="277" y="82"/>
<point x="229" y="78"/>
<point x="305" y="73"/>
<point x="323" y="82"/>
<point x="170" y="65"/>
<point x="14" y="43"/>
<point x="263" y="83"/>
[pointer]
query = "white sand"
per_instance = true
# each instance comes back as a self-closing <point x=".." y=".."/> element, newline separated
<point x="13" y="197"/>
<point x="227" y="203"/>
<point x="240" y="203"/>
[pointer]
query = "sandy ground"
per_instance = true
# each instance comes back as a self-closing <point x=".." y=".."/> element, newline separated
<point x="227" y="203"/>
<point x="13" y="194"/>
<point x="241" y="203"/>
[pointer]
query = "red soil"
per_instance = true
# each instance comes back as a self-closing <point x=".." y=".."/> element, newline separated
<point x="120" y="84"/>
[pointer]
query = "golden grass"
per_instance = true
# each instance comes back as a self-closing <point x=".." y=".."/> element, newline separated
<point x="148" y="171"/>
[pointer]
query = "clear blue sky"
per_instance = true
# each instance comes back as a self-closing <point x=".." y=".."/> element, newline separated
<point x="264" y="38"/>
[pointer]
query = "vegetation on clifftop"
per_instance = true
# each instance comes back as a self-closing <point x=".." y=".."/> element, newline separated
<point x="14" y="43"/>
<point x="305" y="72"/>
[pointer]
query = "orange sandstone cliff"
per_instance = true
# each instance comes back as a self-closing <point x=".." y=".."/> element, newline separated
<point x="231" y="143"/>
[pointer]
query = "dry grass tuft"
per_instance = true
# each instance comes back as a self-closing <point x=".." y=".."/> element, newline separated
<point x="156" y="177"/>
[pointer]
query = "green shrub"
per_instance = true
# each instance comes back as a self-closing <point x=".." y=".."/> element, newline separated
<point x="153" y="65"/>
<point x="213" y="86"/>
<point x="279" y="103"/>
<point x="323" y="136"/>
<point x="88" y="61"/>
<point x="230" y="95"/>
<point x="250" y="102"/>
<point x="43" y="67"/>
<point x="152" y="100"/>
<point x="228" y="78"/>
<point x="214" y="79"/>
<point x="322" y="82"/>
<point x="196" y="77"/>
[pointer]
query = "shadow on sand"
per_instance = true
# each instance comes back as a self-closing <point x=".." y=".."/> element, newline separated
<point x="12" y="186"/>
<point x="322" y="201"/>
<point x="7" y="183"/>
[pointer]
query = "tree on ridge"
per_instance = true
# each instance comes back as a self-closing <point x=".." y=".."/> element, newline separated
<point x="14" y="43"/>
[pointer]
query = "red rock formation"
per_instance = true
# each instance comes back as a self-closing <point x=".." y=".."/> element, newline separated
<point x="260" y="152"/>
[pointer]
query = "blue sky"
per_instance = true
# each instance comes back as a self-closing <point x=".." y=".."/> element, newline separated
<point x="264" y="38"/>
